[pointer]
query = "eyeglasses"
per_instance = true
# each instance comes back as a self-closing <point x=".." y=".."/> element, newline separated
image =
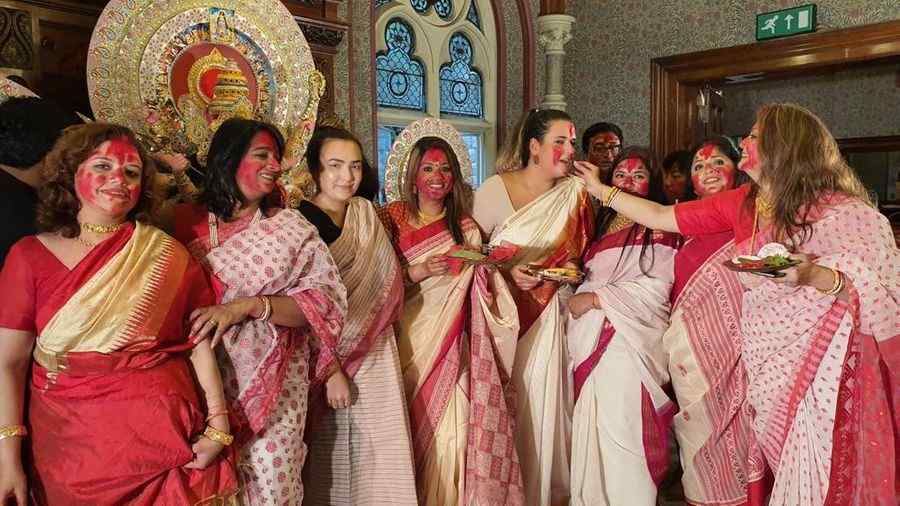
<point x="605" y="148"/>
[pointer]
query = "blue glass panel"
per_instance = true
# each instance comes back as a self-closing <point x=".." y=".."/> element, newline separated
<point x="473" y="142"/>
<point x="443" y="8"/>
<point x="379" y="3"/>
<point x="473" y="15"/>
<point x="386" y="137"/>
<point x="400" y="77"/>
<point x="461" y="85"/>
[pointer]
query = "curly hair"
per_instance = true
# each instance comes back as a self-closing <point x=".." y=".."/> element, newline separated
<point x="28" y="128"/>
<point x="58" y="204"/>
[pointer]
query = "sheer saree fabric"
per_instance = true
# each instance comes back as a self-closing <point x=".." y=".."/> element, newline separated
<point x="823" y="373"/>
<point x="704" y="343"/>
<point x="113" y="406"/>
<point x="457" y="338"/>
<point x="363" y="454"/>
<point x="622" y="415"/>
<point x="265" y="366"/>
<point x="551" y="230"/>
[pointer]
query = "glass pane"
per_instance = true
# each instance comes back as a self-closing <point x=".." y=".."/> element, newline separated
<point x="386" y="136"/>
<point x="473" y="15"/>
<point x="443" y="8"/>
<point x="400" y="77"/>
<point x="473" y="142"/>
<point x="461" y="85"/>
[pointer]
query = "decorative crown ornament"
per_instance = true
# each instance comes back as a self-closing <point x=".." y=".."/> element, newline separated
<point x="398" y="160"/>
<point x="174" y="71"/>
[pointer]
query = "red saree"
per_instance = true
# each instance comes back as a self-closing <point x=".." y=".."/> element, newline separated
<point x="113" y="404"/>
<point x="457" y="344"/>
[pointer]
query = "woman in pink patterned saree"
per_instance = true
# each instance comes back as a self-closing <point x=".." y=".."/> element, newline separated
<point x="703" y="344"/>
<point x="821" y="345"/>
<point x="277" y="287"/>
<point x="456" y="334"/>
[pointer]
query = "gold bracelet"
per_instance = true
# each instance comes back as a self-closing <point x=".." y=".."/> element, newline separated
<point x="612" y="194"/>
<point x="267" y="308"/>
<point x="8" y="431"/>
<point x="218" y="436"/>
<point x="838" y="284"/>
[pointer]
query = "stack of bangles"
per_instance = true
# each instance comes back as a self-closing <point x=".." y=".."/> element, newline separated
<point x="267" y="308"/>
<point x="8" y="431"/>
<point x="838" y="285"/>
<point x="221" y="437"/>
<point x="613" y="192"/>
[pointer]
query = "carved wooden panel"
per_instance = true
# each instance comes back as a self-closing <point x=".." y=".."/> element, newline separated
<point x="325" y="65"/>
<point x="16" y="39"/>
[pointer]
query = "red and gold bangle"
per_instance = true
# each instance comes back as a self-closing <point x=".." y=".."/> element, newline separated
<point x="214" y="434"/>
<point x="8" y="431"/>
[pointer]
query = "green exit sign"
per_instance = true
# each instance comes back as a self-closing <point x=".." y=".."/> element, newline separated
<point x="771" y="25"/>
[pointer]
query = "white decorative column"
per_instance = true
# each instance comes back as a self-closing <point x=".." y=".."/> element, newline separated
<point x="554" y="31"/>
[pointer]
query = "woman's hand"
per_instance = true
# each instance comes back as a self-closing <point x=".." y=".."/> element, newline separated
<point x="205" y="451"/>
<point x="581" y="303"/>
<point x="13" y="483"/>
<point x="436" y="265"/>
<point x="590" y="173"/>
<point x="218" y="319"/>
<point x="522" y="279"/>
<point x="176" y="161"/>
<point x="802" y="273"/>
<point x="337" y="390"/>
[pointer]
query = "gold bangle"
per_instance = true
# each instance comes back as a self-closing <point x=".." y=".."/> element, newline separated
<point x="8" y="431"/>
<point x="218" y="436"/>
<point x="612" y="194"/>
<point x="267" y="308"/>
<point x="837" y="285"/>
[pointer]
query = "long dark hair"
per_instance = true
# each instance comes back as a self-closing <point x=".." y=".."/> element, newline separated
<point x="656" y="194"/>
<point x="368" y="187"/>
<point x="231" y="142"/>
<point x="728" y="148"/>
<point x="456" y="204"/>
<point x="533" y="125"/>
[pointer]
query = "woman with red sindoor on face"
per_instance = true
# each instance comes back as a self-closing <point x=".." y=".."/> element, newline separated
<point x="275" y="284"/>
<point x="703" y="344"/>
<point x="821" y="345"/>
<point x="616" y="321"/>
<point x="455" y="338"/>
<point x="96" y="304"/>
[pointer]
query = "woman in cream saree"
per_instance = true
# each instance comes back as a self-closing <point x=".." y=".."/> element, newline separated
<point x="457" y="330"/>
<point x="359" y="443"/>
<point x="550" y="230"/>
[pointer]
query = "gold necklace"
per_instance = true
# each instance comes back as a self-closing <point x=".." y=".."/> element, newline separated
<point x="99" y="228"/>
<point x="765" y="208"/>
<point x="620" y="222"/>
<point x="85" y="242"/>
<point x="425" y="218"/>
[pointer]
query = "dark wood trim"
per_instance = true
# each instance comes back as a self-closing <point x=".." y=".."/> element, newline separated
<point x="675" y="80"/>
<point x="553" y="7"/>
<point x="869" y="144"/>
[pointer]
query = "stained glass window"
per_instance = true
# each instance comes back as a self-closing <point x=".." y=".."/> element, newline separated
<point x="461" y="85"/>
<point x="473" y="16"/>
<point x="400" y="77"/>
<point x="379" y="3"/>
<point x="443" y="8"/>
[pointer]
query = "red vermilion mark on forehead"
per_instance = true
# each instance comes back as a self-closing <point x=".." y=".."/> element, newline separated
<point x="264" y="139"/>
<point x="706" y="152"/>
<point x="434" y="155"/>
<point x="632" y="164"/>
<point x="605" y="138"/>
<point x="121" y="150"/>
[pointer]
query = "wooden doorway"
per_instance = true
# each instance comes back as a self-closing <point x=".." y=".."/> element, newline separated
<point x="676" y="81"/>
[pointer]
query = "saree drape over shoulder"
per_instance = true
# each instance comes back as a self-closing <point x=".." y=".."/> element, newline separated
<point x="703" y="343"/>
<point x="823" y="373"/>
<point x="265" y="366"/>
<point x="622" y="415"/>
<point x="457" y="337"/>
<point x="551" y="230"/>
<point x="363" y="454"/>
<point x="113" y="406"/>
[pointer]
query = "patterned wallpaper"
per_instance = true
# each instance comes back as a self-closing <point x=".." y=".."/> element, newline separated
<point x="862" y="102"/>
<point x="607" y="67"/>
<point x="360" y="117"/>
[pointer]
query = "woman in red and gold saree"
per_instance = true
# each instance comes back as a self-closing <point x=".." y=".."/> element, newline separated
<point x="617" y="319"/>
<point x="360" y="450"/>
<point x="456" y="336"/>
<point x="275" y="285"/>
<point x="821" y="345"/>
<point x="703" y="344"/>
<point x="113" y="410"/>
<point x="549" y="217"/>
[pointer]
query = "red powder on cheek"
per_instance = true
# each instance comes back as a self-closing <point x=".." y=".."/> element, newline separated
<point x="87" y="183"/>
<point x="557" y="154"/>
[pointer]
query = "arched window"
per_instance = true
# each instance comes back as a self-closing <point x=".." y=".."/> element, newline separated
<point x="438" y="58"/>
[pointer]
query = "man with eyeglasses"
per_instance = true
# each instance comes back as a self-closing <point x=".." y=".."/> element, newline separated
<point x="601" y="144"/>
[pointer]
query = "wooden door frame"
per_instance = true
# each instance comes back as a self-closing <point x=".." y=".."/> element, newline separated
<point x="675" y="80"/>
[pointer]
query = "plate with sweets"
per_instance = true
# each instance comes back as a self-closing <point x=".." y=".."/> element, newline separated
<point x="770" y="261"/>
<point x="558" y="274"/>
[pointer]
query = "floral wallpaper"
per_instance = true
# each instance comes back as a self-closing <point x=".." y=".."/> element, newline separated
<point x="862" y="102"/>
<point x="607" y="64"/>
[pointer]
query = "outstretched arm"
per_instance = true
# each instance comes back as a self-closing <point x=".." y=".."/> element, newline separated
<point x="650" y="214"/>
<point x="15" y="355"/>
